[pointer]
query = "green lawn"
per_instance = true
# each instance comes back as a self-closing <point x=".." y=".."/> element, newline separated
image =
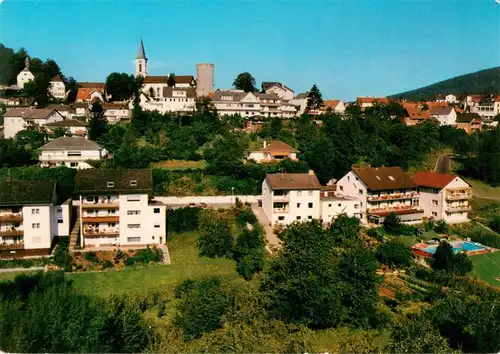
<point x="487" y="267"/>
<point x="412" y="240"/>
<point x="483" y="190"/>
<point x="142" y="280"/>
<point x="181" y="164"/>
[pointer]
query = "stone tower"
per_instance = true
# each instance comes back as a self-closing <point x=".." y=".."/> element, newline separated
<point x="141" y="62"/>
<point x="204" y="79"/>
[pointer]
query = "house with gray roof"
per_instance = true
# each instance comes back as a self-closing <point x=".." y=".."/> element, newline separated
<point x="73" y="152"/>
<point x="446" y="115"/>
<point x="18" y="119"/>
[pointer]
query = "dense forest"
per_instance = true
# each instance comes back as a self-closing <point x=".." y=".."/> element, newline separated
<point x="481" y="82"/>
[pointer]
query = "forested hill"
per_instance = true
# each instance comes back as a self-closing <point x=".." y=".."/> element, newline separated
<point x="481" y="82"/>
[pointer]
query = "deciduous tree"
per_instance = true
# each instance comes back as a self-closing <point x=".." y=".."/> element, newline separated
<point x="246" y="82"/>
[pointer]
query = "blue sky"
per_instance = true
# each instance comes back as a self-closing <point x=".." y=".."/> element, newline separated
<point x="348" y="48"/>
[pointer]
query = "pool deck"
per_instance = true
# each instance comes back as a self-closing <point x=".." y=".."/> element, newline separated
<point x="420" y="249"/>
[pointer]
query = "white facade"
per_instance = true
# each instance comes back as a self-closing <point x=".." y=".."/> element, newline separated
<point x="281" y="91"/>
<point x="450" y="98"/>
<point x="332" y="207"/>
<point x="245" y="104"/>
<point x="260" y="156"/>
<point x="446" y="119"/>
<point x="122" y="220"/>
<point x="25" y="75"/>
<point x="18" y="119"/>
<point x="73" y="158"/>
<point x="115" y="113"/>
<point x="57" y="89"/>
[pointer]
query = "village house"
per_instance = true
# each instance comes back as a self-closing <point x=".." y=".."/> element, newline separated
<point x="25" y="75"/>
<point x="274" y="151"/>
<point x="88" y="94"/>
<point x="300" y="102"/>
<point x="333" y="106"/>
<point x="31" y="215"/>
<point x="116" y="209"/>
<point x="415" y="113"/>
<point x="283" y="92"/>
<point x="115" y="112"/>
<point x="73" y="126"/>
<point x="449" y="98"/>
<point x="367" y="102"/>
<point x="381" y="191"/>
<point x="290" y="197"/>
<point x="57" y="88"/>
<point x="470" y="122"/>
<point x="444" y="196"/>
<point x="73" y="152"/>
<point x="18" y="119"/>
<point x="446" y="115"/>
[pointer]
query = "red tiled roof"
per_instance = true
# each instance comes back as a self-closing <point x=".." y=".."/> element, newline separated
<point x="94" y="85"/>
<point x="433" y="179"/>
<point x="414" y="111"/>
<point x="277" y="147"/>
<point x="84" y="93"/>
<point x="383" y="100"/>
<point x="332" y="104"/>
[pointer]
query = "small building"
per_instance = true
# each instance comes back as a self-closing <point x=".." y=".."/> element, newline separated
<point x="470" y="122"/>
<point x="31" y="215"/>
<point x="333" y="205"/>
<point x="446" y="115"/>
<point x="278" y="89"/>
<point x="18" y="119"/>
<point x="73" y="152"/>
<point x="333" y="106"/>
<point x="115" y="112"/>
<point x="25" y="75"/>
<point x="449" y="98"/>
<point x="382" y="191"/>
<point x="117" y="209"/>
<point x="444" y="196"/>
<point x="367" y="102"/>
<point x="275" y="151"/>
<point x="57" y="88"/>
<point x="73" y="126"/>
<point x="88" y="94"/>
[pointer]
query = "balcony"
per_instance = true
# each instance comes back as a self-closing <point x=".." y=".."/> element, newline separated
<point x="280" y="210"/>
<point x="11" y="246"/>
<point x="403" y="210"/>
<point x="95" y="232"/>
<point x="101" y="205"/>
<point x="99" y="219"/>
<point x="395" y="196"/>
<point x="458" y="209"/>
<point x="284" y="198"/>
<point x="458" y="196"/>
<point x="13" y="232"/>
<point x="11" y="217"/>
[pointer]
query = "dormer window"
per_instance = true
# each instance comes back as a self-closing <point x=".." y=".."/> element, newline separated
<point x="392" y="178"/>
<point x="133" y="183"/>
<point x="111" y="184"/>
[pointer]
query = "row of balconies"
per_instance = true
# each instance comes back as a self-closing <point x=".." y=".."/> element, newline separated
<point x="458" y="196"/>
<point x="18" y="245"/>
<point x="11" y="231"/>
<point x="457" y="208"/>
<point x="92" y="231"/>
<point x="376" y="197"/>
<point x="11" y="217"/>
<point x="389" y="209"/>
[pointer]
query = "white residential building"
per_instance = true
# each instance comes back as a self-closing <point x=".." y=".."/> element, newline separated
<point x="449" y="98"/>
<point x="115" y="112"/>
<point x="73" y="126"/>
<point x="30" y="217"/>
<point x="18" y="119"/>
<point x="74" y="152"/>
<point x="57" y="88"/>
<point x="275" y="151"/>
<point x="444" y="196"/>
<point x="446" y="115"/>
<point x="290" y="197"/>
<point x="25" y="75"/>
<point x="180" y="100"/>
<point x="300" y="102"/>
<point x="333" y="106"/>
<point x="236" y="102"/>
<point x="382" y="191"/>
<point x="277" y="88"/>
<point x="116" y="208"/>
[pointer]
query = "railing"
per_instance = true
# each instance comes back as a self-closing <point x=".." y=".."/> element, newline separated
<point x="281" y="198"/>
<point x="456" y="209"/>
<point x="11" y="217"/>
<point x="394" y="209"/>
<point x="97" y="233"/>
<point x="461" y="196"/>
<point x="11" y="233"/>
<point x="100" y="204"/>
<point x="12" y="246"/>
<point x="280" y="210"/>
<point x="99" y="218"/>
<point x="393" y="196"/>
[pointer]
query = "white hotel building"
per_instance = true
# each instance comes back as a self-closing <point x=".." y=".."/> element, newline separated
<point x="116" y="208"/>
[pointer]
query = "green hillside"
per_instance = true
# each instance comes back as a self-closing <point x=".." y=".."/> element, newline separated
<point x="482" y="82"/>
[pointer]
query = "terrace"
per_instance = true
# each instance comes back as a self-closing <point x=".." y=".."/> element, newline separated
<point x="392" y="196"/>
<point x="11" y="217"/>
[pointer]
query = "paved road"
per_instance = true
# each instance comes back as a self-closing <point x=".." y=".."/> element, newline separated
<point x="273" y="242"/>
<point x="443" y="164"/>
<point x="31" y="269"/>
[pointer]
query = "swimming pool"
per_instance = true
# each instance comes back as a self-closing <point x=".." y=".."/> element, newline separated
<point x="457" y="247"/>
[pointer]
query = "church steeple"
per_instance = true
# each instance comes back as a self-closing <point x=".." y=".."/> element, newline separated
<point x="141" y="62"/>
<point x="26" y="64"/>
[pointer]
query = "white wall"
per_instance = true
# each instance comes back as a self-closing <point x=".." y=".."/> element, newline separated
<point x="331" y="208"/>
<point x="12" y="126"/>
<point x="61" y="158"/>
<point x="61" y="213"/>
<point x="37" y="237"/>
<point x="349" y="186"/>
<point x="24" y="77"/>
<point x="57" y="89"/>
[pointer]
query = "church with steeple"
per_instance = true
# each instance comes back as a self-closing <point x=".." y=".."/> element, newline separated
<point x="141" y="62"/>
<point x="25" y="75"/>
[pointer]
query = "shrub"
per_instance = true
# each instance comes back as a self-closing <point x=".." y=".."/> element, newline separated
<point x="216" y="240"/>
<point x="62" y="257"/>
<point x="494" y="223"/>
<point x="184" y="288"/>
<point x="145" y="256"/>
<point x="375" y="233"/>
<point x="91" y="257"/>
<point x="395" y="254"/>
<point x="245" y="215"/>
<point x="183" y="219"/>
<point x="441" y="227"/>
<point x="392" y="224"/>
<point x="106" y="264"/>
<point x="249" y="252"/>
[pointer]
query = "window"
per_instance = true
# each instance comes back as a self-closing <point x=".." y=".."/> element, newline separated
<point x="156" y="210"/>
<point x="348" y="178"/>
<point x="281" y="218"/>
<point x="340" y="205"/>
<point x="153" y="238"/>
<point x="111" y="211"/>
<point x="35" y="225"/>
<point x="157" y="226"/>
<point x="111" y="224"/>
<point x="310" y="193"/>
<point x="134" y="226"/>
<point x="133" y="212"/>
<point x="356" y="206"/>
<point x="74" y="153"/>
<point x="134" y="239"/>
<point x="60" y="221"/>
<point x="90" y="199"/>
<point x="357" y="179"/>
<point x="73" y="164"/>
<point x="329" y="205"/>
<point x="434" y="213"/>
<point x="435" y="202"/>
<point x="299" y="193"/>
<point x="361" y="204"/>
<point x="310" y="205"/>
<point x="360" y="191"/>
<point x="133" y="183"/>
<point x="35" y="211"/>
<point x="310" y="217"/>
<point x="111" y="184"/>
<point x="59" y="210"/>
<point x="298" y="205"/>
<point x="298" y="218"/>
<point x="133" y="198"/>
<point x="341" y="188"/>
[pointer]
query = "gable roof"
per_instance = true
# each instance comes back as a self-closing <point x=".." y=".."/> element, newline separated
<point x="60" y="107"/>
<point x="94" y="85"/>
<point x="440" y="110"/>
<point x="301" y="96"/>
<point x="71" y="143"/>
<point x="190" y="91"/>
<point x="384" y="178"/>
<point x="382" y="100"/>
<point x="27" y="192"/>
<point x="84" y="93"/>
<point x="433" y="179"/>
<point x="276" y="147"/>
<point x="414" y="111"/>
<point x="331" y="104"/>
<point x="30" y="113"/>
<point x="67" y="123"/>
<point x="56" y="78"/>
<point x="236" y="95"/>
<point x="467" y="117"/>
<point x="293" y="181"/>
<point x="268" y="85"/>
<point x="95" y="181"/>
<point x="268" y="96"/>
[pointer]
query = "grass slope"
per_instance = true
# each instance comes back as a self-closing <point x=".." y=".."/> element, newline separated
<point x="487" y="267"/>
<point x="480" y="82"/>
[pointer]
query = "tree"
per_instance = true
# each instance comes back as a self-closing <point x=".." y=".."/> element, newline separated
<point x="120" y="86"/>
<point x="442" y="259"/>
<point x="202" y="305"/>
<point x="494" y="223"/>
<point x="98" y="124"/>
<point x="314" y="98"/>
<point x="393" y="224"/>
<point x="215" y="240"/>
<point x="441" y="227"/>
<point x="33" y="137"/>
<point x="249" y="251"/>
<point x="171" y="80"/>
<point x="225" y="158"/>
<point x="246" y="82"/>
<point x="395" y="254"/>
<point x="71" y="89"/>
<point x="60" y="132"/>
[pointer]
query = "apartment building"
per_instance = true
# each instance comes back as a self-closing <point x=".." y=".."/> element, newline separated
<point x="290" y="197"/>
<point x="273" y="151"/>
<point x="236" y="102"/>
<point x="180" y="100"/>
<point x="57" y="88"/>
<point x="117" y="209"/>
<point x="381" y="191"/>
<point x="444" y="196"/>
<point x="31" y="215"/>
<point x="73" y="152"/>
<point x="73" y="126"/>
<point x="18" y="119"/>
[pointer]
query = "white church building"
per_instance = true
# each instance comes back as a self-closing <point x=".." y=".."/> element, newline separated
<point x="25" y="75"/>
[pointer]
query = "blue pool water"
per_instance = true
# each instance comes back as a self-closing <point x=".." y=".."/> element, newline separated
<point x="459" y="246"/>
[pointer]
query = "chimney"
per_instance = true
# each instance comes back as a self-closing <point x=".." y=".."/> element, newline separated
<point x="311" y="173"/>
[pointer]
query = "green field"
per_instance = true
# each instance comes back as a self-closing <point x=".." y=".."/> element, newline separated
<point x="412" y="240"/>
<point x="483" y="190"/>
<point x="487" y="267"/>
<point x="145" y="279"/>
